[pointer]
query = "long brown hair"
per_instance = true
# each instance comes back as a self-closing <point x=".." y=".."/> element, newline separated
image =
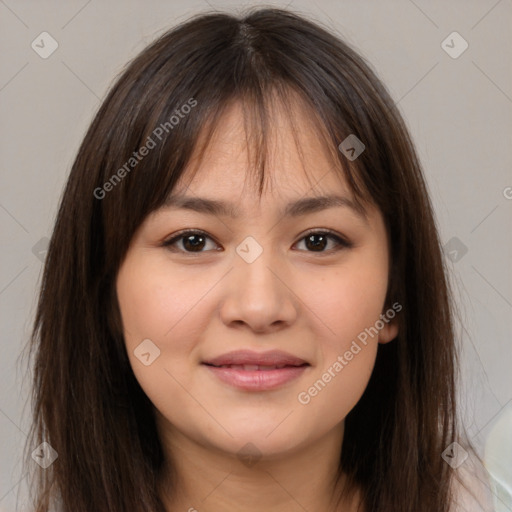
<point x="87" y="403"/>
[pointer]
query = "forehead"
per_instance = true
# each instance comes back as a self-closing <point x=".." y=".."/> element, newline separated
<point x="297" y="158"/>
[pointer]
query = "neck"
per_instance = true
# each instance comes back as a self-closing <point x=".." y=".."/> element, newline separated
<point x="203" y="479"/>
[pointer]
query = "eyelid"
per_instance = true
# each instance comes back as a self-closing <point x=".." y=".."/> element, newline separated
<point x="181" y="233"/>
<point x="342" y="241"/>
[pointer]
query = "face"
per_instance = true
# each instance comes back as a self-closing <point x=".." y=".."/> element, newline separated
<point x="309" y="284"/>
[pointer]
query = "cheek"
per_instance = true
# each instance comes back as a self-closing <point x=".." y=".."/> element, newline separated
<point x="347" y="348"/>
<point x="347" y="305"/>
<point x="349" y="301"/>
<point x="154" y="303"/>
<point x="163" y="307"/>
<point x="337" y="387"/>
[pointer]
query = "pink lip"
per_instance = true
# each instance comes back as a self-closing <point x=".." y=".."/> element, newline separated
<point x="257" y="379"/>
<point x="269" y="358"/>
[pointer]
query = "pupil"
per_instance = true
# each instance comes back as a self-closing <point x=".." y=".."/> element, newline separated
<point x="189" y="244"/>
<point x="320" y="245"/>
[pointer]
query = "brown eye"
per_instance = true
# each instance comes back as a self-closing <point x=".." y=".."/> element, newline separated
<point x="191" y="241"/>
<point x="317" y="241"/>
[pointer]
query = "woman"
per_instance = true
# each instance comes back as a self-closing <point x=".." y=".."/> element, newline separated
<point x="245" y="304"/>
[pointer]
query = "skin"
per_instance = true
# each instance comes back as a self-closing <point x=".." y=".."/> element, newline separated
<point x="197" y="305"/>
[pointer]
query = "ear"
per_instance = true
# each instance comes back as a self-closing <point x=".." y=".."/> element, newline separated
<point x="389" y="332"/>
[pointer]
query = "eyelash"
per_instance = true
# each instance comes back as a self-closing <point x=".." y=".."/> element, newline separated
<point x="340" y="241"/>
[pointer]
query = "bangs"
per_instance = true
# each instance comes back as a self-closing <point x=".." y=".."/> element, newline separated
<point x="259" y="108"/>
<point x="259" y="111"/>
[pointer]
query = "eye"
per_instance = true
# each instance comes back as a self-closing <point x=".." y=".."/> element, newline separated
<point x="316" y="240"/>
<point x="194" y="241"/>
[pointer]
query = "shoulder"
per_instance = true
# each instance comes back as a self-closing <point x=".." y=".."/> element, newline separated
<point x="472" y="487"/>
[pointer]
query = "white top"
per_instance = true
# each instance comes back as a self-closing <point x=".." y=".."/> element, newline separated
<point x="478" y="494"/>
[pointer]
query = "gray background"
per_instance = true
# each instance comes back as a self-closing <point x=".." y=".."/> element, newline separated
<point x="458" y="111"/>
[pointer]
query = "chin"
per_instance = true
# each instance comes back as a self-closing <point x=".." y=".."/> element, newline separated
<point x="262" y="440"/>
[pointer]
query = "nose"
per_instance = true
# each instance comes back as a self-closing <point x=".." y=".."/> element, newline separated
<point x="259" y="296"/>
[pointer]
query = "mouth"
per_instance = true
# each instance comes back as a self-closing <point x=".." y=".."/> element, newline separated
<point x="252" y="371"/>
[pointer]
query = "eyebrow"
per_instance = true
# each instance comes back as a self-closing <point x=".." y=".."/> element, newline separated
<point x="296" y="208"/>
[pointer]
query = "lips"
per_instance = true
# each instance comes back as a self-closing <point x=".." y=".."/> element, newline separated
<point x="252" y="371"/>
<point x="248" y="360"/>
